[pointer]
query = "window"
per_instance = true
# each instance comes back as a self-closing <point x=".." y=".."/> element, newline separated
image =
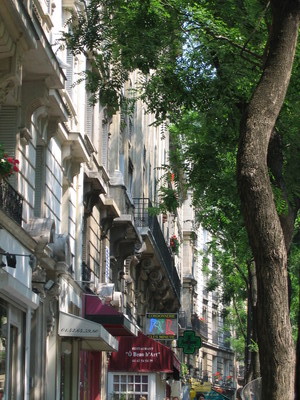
<point x="3" y="348"/>
<point x="130" y="386"/>
<point x="130" y="176"/>
<point x="12" y="351"/>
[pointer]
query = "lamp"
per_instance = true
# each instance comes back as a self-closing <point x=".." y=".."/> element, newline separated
<point x="11" y="259"/>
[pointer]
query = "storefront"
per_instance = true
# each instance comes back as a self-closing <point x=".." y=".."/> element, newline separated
<point x="85" y="341"/>
<point x="141" y="367"/>
<point x="17" y="302"/>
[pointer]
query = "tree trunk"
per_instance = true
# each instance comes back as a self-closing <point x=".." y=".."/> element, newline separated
<point x="265" y="232"/>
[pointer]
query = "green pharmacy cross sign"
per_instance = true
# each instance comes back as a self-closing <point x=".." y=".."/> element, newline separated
<point x="189" y="342"/>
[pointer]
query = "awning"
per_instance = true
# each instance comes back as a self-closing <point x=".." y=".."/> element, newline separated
<point x="94" y="336"/>
<point x="116" y="323"/>
<point x="143" y="354"/>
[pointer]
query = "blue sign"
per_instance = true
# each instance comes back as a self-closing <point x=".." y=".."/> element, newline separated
<point x="213" y="395"/>
<point x="162" y="326"/>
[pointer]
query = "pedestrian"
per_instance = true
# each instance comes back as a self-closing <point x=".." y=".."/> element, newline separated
<point x="200" y="396"/>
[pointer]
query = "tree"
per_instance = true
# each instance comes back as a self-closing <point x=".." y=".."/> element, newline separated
<point x="227" y="54"/>
<point x="270" y="235"/>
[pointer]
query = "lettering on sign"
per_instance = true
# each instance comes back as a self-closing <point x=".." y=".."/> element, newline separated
<point x="162" y="326"/>
<point x="142" y="354"/>
<point x="78" y="330"/>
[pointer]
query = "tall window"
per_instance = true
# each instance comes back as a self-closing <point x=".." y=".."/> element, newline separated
<point x="39" y="181"/>
<point x="130" y="176"/>
<point x="12" y="352"/>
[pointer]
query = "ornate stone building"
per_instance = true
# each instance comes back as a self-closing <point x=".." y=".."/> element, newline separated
<point x="75" y="225"/>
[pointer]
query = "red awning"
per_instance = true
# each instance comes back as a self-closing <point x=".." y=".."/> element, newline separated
<point x="116" y="323"/>
<point x="143" y="354"/>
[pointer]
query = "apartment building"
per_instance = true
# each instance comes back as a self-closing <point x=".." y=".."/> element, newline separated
<point x="213" y="366"/>
<point x="83" y="261"/>
<point x="86" y="267"/>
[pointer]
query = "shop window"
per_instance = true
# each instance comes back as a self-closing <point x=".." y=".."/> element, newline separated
<point x="3" y="349"/>
<point x="130" y="387"/>
<point x="12" y="352"/>
<point x="66" y="371"/>
<point x="13" y="383"/>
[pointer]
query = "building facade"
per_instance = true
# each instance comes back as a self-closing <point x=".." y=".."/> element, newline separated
<point x="84" y="261"/>
<point x="213" y="366"/>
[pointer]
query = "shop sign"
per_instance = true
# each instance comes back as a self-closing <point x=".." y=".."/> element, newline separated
<point x="213" y="395"/>
<point x="162" y="326"/>
<point x="189" y="342"/>
<point x="141" y="354"/>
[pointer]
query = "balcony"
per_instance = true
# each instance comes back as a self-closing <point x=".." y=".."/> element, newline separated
<point x="199" y="326"/>
<point x="215" y="337"/>
<point x="148" y="225"/>
<point x="226" y="340"/>
<point x="11" y="202"/>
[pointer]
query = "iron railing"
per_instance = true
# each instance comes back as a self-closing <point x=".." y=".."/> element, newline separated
<point x="226" y="340"/>
<point x="144" y="219"/>
<point x="215" y="337"/>
<point x="11" y="202"/>
<point x="199" y="326"/>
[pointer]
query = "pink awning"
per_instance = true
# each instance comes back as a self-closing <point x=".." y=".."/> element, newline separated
<point x="116" y="323"/>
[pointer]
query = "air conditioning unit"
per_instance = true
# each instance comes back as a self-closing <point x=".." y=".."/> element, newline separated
<point x="105" y="290"/>
<point x="61" y="249"/>
<point x="117" y="301"/>
<point x="42" y="230"/>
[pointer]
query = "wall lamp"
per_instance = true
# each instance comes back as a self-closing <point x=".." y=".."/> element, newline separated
<point x="48" y="285"/>
<point x="11" y="259"/>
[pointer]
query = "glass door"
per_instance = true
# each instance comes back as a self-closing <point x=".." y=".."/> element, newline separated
<point x="12" y="352"/>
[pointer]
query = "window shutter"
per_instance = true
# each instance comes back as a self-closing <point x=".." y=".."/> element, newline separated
<point x="89" y="112"/>
<point x="39" y="174"/>
<point x="69" y="72"/>
<point x="8" y="129"/>
<point x="104" y="149"/>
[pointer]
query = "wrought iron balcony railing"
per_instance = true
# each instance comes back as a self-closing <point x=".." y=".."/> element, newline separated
<point x="144" y="219"/>
<point x="226" y="340"/>
<point x="11" y="202"/>
<point x="200" y="326"/>
<point x="215" y="337"/>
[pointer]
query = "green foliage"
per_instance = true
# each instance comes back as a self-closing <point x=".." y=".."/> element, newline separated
<point x="171" y="192"/>
<point x="294" y="274"/>
<point x="253" y="346"/>
<point x="237" y="339"/>
<point x="205" y="58"/>
<point x="119" y="37"/>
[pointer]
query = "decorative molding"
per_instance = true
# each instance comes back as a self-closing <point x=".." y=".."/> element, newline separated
<point x="25" y="135"/>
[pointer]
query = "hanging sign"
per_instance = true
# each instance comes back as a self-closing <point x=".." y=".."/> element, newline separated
<point x="189" y="342"/>
<point x="162" y="326"/>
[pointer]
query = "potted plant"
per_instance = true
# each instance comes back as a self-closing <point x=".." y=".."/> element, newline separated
<point x="174" y="244"/>
<point x="217" y="377"/>
<point x="229" y="380"/>
<point x="8" y="165"/>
